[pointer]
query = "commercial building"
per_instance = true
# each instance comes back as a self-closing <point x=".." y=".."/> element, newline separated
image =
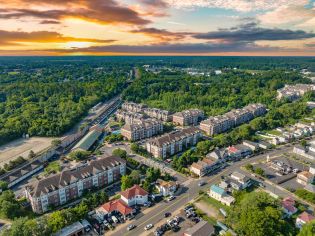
<point x="308" y="152"/>
<point x="133" y="107"/>
<point x="188" y="117"/>
<point x="89" y="139"/>
<point x="117" y="205"/>
<point x="134" y="196"/>
<point x="204" y="166"/>
<point x="305" y="178"/>
<point x="239" y="151"/>
<point x="172" y="143"/>
<point x="70" y="184"/>
<point x="219" y="124"/>
<point x="159" y="114"/>
<point x="293" y="92"/>
<point x="202" y="228"/>
<point x="142" y="129"/>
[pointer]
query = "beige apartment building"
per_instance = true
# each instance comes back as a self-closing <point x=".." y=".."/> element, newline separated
<point x="219" y="124"/>
<point x="172" y="143"/>
<point x="133" y="107"/>
<point x="188" y="117"/>
<point x="142" y="129"/>
<point x="70" y="184"/>
<point x="159" y="114"/>
<point x="129" y="117"/>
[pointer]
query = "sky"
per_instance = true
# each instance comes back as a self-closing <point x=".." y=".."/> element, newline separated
<point x="158" y="27"/>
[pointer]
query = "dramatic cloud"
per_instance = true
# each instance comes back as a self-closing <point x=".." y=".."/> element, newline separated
<point x="49" y="22"/>
<point x="99" y="11"/>
<point x="251" y="32"/>
<point x="155" y="3"/>
<point x="18" y="37"/>
<point x="238" y="5"/>
<point x="161" y="34"/>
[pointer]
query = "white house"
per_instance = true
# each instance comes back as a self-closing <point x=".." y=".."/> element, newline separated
<point x="303" y="218"/>
<point x="134" y="196"/>
<point x="166" y="188"/>
<point x="243" y="180"/>
<point x="220" y="195"/>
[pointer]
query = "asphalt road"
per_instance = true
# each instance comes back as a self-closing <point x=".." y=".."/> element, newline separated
<point x="190" y="190"/>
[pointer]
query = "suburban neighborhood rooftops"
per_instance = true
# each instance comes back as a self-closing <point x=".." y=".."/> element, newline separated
<point x="88" y="140"/>
<point x="136" y="190"/>
<point x="306" y="217"/>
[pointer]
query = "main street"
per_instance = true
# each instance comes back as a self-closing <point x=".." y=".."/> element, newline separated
<point x="189" y="191"/>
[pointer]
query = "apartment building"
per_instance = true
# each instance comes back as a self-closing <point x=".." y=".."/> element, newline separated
<point x="159" y="114"/>
<point x="142" y="129"/>
<point x="222" y="123"/>
<point x="70" y="184"/>
<point x="293" y="92"/>
<point x="188" y="117"/>
<point x="129" y="117"/>
<point x="171" y="143"/>
<point x="133" y="107"/>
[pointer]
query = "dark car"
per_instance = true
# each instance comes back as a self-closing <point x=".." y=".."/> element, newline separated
<point x="167" y="214"/>
<point x="175" y="228"/>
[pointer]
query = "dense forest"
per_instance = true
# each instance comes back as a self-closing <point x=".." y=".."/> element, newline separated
<point x="48" y="101"/>
<point x="214" y="94"/>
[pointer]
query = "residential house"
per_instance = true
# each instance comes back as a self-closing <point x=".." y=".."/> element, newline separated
<point x="303" y="219"/>
<point x="239" y="151"/>
<point x="305" y="178"/>
<point x="202" y="228"/>
<point x="70" y="184"/>
<point x="188" y="117"/>
<point x="220" y="195"/>
<point x="166" y="188"/>
<point x="288" y="206"/>
<point x="204" y="166"/>
<point x="252" y="145"/>
<point x="174" y="142"/>
<point x="242" y="180"/>
<point x="134" y="196"/>
<point x="218" y="154"/>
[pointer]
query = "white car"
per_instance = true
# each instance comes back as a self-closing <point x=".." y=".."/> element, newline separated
<point x="149" y="226"/>
<point x="171" y="198"/>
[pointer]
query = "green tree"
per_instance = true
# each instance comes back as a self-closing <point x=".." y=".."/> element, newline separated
<point x="31" y="155"/>
<point x="259" y="171"/>
<point x="9" y="206"/>
<point x="258" y="214"/>
<point x="249" y="167"/>
<point x="56" y="142"/>
<point x="126" y="182"/>
<point x="135" y="175"/>
<point x="120" y="153"/>
<point x="134" y="147"/>
<point x="308" y="229"/>
<point x="79" y="155"/>
<point x="3" y="185"/>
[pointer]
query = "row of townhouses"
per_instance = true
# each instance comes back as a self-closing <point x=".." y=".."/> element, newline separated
<point x="129" y="117"/>
<point x="159" y="114"/>
<point x="172" y="143"/>
<point x="142" y="129"/>
<point x="70" y="184"/>
<point x="233" y="118"/>
<point x="188" y="117"/>
<point x="293" y="92"/>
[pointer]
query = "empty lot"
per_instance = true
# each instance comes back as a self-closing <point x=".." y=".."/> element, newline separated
<point x="22" y="147"/>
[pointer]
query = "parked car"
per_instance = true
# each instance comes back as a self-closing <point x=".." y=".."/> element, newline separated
<point x="201" y="183"/>
<point x="149" y="226"/>
<point x="131" y="227"/>
<point x="171" y="198"/>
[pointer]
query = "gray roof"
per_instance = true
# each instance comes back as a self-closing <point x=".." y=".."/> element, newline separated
<point x="68" y="177"/>
<point x="203" y="228"/>
<point x="88" y="140"/>
<point x="70" y="230"/>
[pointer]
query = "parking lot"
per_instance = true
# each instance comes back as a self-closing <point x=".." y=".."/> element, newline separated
<point x="282" y="170"/>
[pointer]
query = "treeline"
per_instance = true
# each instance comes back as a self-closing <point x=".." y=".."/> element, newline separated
<point x="43" y="104"/>
<point x="215" y="95"/>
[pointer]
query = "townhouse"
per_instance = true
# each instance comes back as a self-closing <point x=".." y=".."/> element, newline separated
<point x="219" y="124"/>
<point x="142" y="129"/>
<point x="293" y="92"/>
<point x="133" y="107"/>
<point x="129" y="117"/>
<point x="159" y="114"/>
<point x="172" y="143"/>
<point x="204" y="166"/>
<point x="188" y="117"/>
<point x="303" y="219"/>
<point x="70" y="184"/>
<point x="305" y="178"/>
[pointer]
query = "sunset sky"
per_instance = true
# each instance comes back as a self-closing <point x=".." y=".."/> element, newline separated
<point x="157" y="27"/>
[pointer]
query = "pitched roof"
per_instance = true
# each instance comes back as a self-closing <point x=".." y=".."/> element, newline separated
<point x="202" y="228"/>
<point x="305" y="174"/>
<point x="67" y="177"/>
<point x="135" y="190"/>
<point x="117" y="205"/>
<point x="306" y="217"/>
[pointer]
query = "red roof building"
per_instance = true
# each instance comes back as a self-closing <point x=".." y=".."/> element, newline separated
<point x="116" y="205"/>
<point x="134" y="196"/>
<point x="303" y="218"/>
<point x="288" y="205"/>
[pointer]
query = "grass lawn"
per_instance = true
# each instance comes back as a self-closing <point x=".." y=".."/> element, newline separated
<point x="213" y="202"/>
<point x="53" y="167"/>
<point x="275" y="132"/>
